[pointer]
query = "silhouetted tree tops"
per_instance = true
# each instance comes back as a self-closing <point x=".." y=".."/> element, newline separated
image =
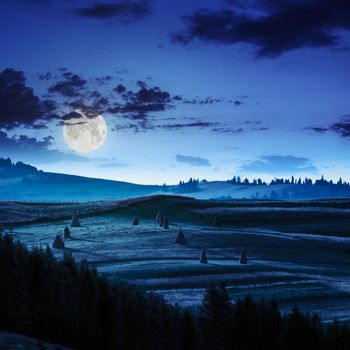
<point x="8" y="164"/>
<point x="62" y="302"/>
<point x="189" y="186"/>
<point x="236" y="180"/>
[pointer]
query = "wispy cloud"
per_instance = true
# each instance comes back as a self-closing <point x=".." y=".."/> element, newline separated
<point x="26" y="148"/>
<point x="341" y="127"/>
<point x="193" y="161"/>
<point x="126" y="10"/>
<point x="279" y="164"/>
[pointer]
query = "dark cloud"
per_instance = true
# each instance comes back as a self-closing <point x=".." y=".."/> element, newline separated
<point x="71" y="86"/>
<point x="146" y="125"/>
<point x="199" y="101"/>
<point x="45" y="76"/>
<point x="126" y="10"/>
<point x="193" y="161"/>
<point x="144" y="95"/>
<point x="24" y="142"/>
<point x="73" y="117"/>
<point x="318" y="129"/>
<point x="100" y="104"/>
<point x="136" y="127"/>
<point x="24" y="147"/>
<point x="120" y="89"/>
<point x="277" y="164"/>
<point x="282" y="26"/>
<point x="18" y="103"/>
<point x="137" y="104"/>
<point x="267" y="5"/>
<point x="79" y="94"/>
<point x="104" y="80"/>
<point x="134" y="104"/>
<point x="264" y="128"/>
<point x="249" y="126"/>
<point x="342" y="127"/>
<point x="196" y="125"/>
<point x="28" y="2"/>
<point x="228" y="130"/>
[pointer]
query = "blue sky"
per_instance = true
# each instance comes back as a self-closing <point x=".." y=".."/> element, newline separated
<point x="206" y="89"/>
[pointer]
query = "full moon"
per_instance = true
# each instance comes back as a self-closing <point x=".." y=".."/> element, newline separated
<point x="84" y="134"/>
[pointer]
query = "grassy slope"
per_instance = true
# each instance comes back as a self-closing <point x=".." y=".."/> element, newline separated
<point x="10" y="341"/>
<point x="316" y="216"/>
<point x="41" y="186"/>
<point x="304" y="269"/>
<point x="60" y="187"/>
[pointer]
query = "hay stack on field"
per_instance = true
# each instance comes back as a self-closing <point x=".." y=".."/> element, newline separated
<point x="216" y="221"/>
<point x="159" y="215"/>
<point x="58" y="242"/>
<point x="75" y="222"/>
<point x="66" y="232"/>
<point x="166" y="223"/>
<point x="180" y="238"/>
<point x="161" y="221"/>
<point x="243" y="257"/>
<point x="135" y="221"/>
<point x="203" y="259"/>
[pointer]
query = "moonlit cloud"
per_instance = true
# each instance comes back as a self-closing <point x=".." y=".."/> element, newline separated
<point x="193" y="161"/>
<point x="277" y="164"/>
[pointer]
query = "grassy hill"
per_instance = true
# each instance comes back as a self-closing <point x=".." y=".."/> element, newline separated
<point x="298" y="251"/>
<point x="23" y="182"/>
<point x="41" y="186"/>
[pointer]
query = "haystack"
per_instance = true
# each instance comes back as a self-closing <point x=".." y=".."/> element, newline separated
<point x="180" y="238"/>
<point x="159" y="215"/>
<point x="75" y="222"/>
<point x="66" y="232"/>
<point x="161" y="221"/>
<point x="166" y="223"/>
<point x="58" y="242"/>
<point x="135" y="221"/>
<point x="203" y="259"/>
<point x="216" y="221"/>
<point x="243" y="257"/>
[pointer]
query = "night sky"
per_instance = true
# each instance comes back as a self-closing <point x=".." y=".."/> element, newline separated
<point x="207" y="89"/>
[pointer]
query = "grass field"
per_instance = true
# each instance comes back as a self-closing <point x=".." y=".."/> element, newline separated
<point x="298" y="252"/>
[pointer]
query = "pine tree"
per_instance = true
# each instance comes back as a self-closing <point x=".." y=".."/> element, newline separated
<point x="215" y="319"/>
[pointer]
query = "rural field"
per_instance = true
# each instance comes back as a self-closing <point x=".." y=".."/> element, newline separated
<point x="298" y="252"/>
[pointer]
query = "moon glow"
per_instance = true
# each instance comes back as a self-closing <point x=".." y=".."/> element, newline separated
<point x="85" y="135"/>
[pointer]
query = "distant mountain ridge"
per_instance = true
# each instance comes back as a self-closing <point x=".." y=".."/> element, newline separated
<point x="24" y="182"/>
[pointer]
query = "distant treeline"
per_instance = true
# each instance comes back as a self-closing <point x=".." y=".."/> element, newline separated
<point x="188" y="187"/>
<point x="20" y="167"/>
<point x="62" y="302"/>
<point x="236" y="180"/>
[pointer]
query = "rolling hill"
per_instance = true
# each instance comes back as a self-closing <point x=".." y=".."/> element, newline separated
<point x="23" y="182"/>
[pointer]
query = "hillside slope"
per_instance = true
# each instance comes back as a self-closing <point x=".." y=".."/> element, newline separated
<point x="41" y="186"/>
<point x="23" y="182"/>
